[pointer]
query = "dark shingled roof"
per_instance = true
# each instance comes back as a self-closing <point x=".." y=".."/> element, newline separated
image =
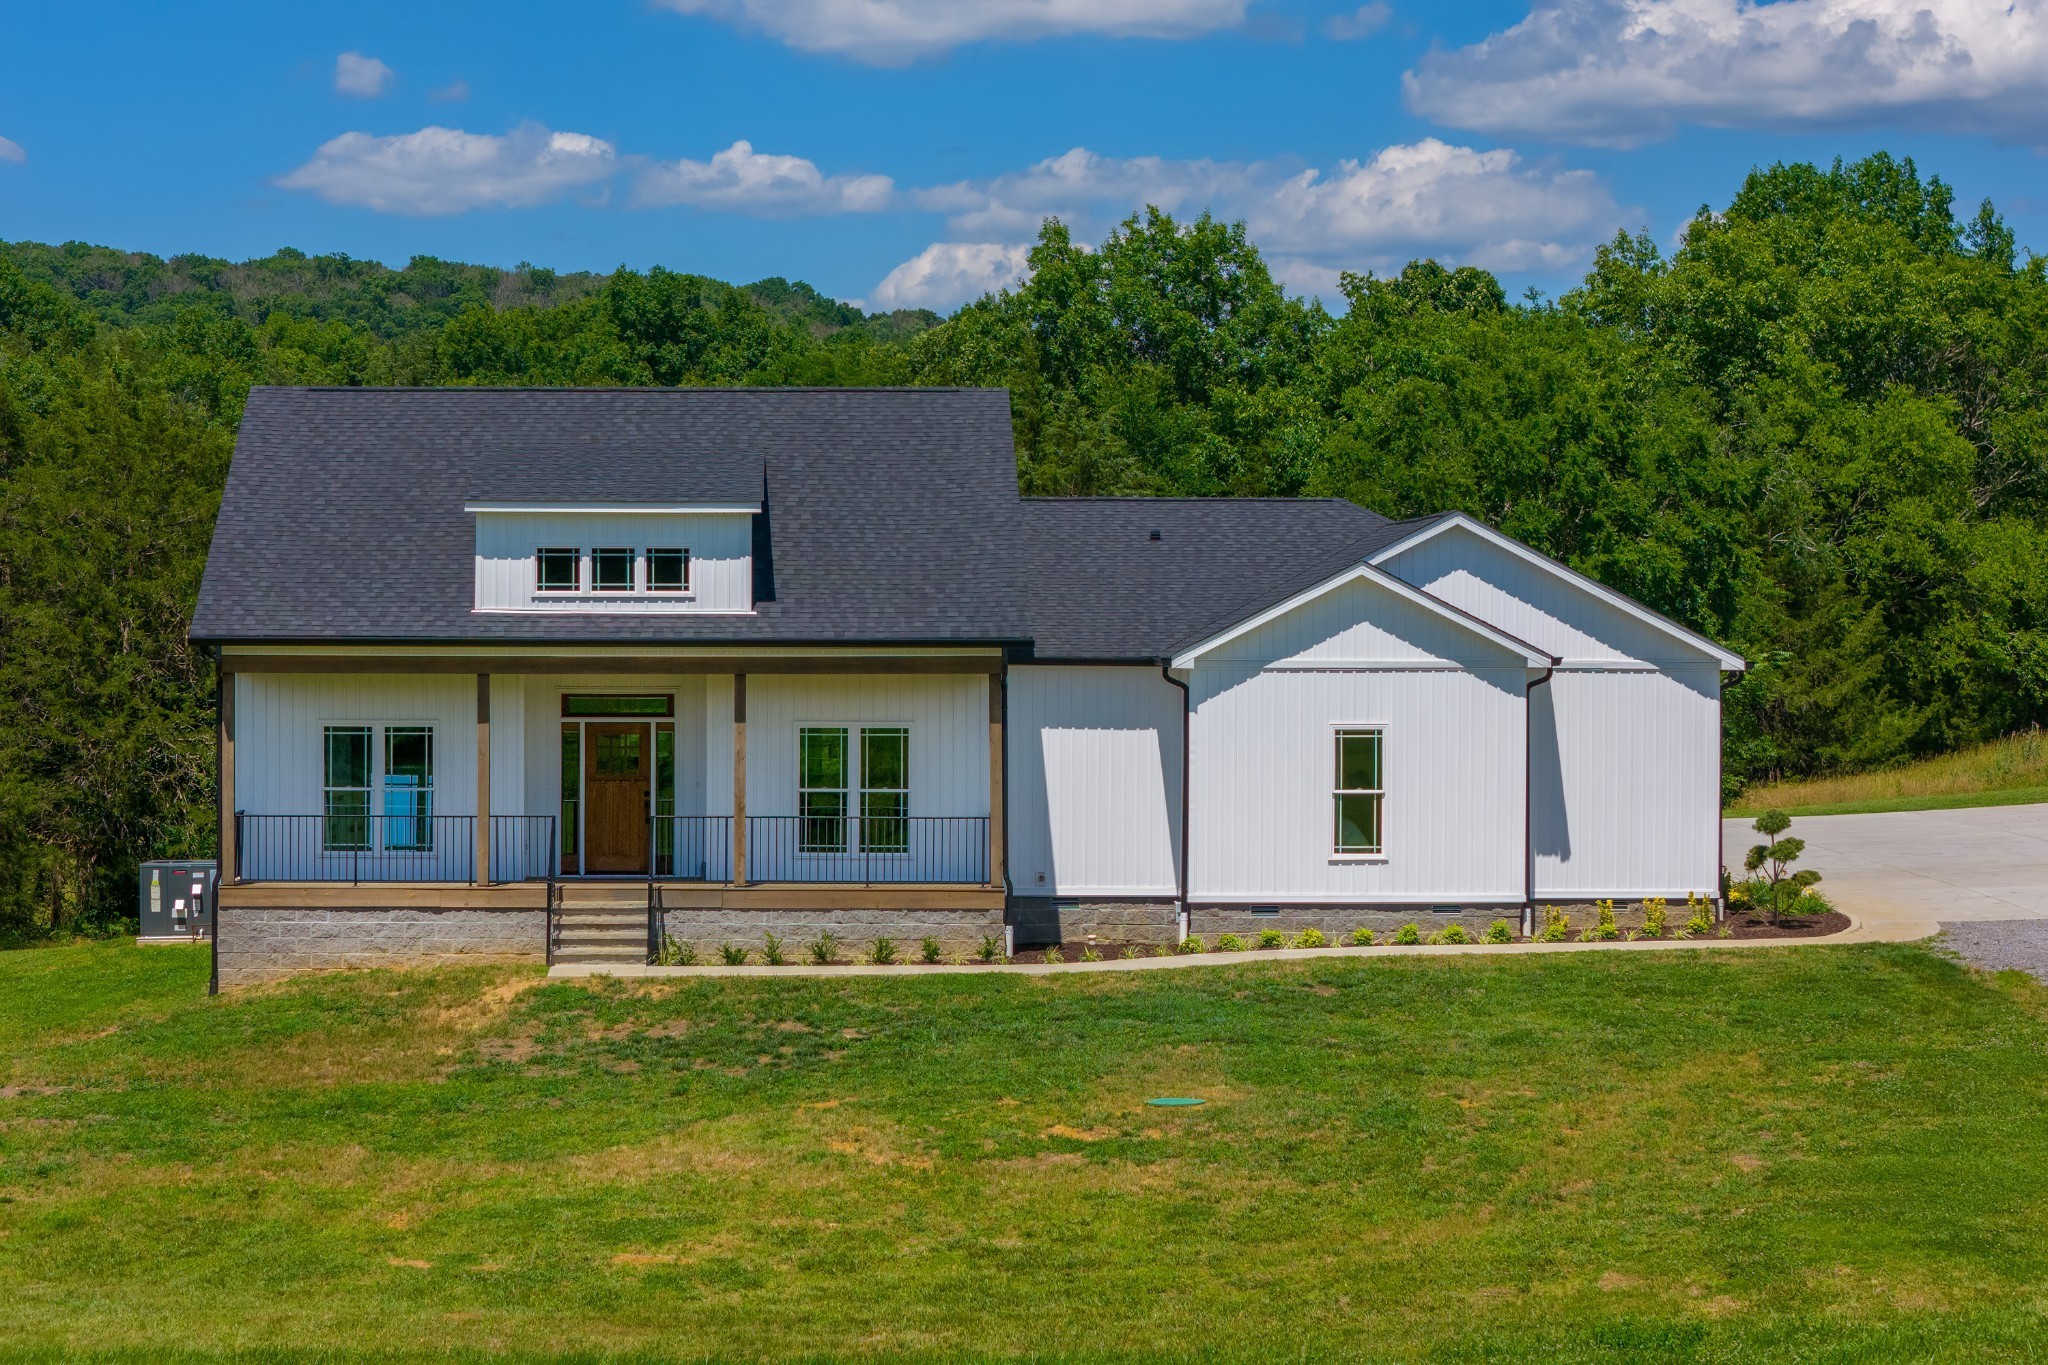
<point x="1097" y="586"/>
<point x="887" y="511"/>
<point x="891" y="516"/>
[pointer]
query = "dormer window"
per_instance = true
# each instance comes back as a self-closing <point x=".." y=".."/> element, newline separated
<point x="668" y="570"/>
<point x="558" y="570"/>
<point x="612" y="569"/>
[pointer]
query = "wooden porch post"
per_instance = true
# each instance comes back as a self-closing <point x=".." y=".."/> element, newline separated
<point x="483" y="779"/>
<point x="224" y="685"/>
<point x="739" y="779"/>
<point x="998" y="697"/>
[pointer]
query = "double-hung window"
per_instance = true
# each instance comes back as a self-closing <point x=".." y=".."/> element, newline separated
<point x="1360" y="792"/>
<point x="821" y="789"/>
<point x="668" y="570"/>
<point x="558" y="570"/>
<point x="345" y="795"/>
<point x="885" y="789"/>
<point x="409" y="788"/>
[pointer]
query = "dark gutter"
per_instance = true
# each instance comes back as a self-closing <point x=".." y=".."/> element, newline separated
<point x="1186" y="781"/>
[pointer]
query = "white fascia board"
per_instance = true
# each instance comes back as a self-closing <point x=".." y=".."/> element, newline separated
<point x="616" y="508"/>
<point x="1380" y="578"/>
<point x="1729" y="661"/>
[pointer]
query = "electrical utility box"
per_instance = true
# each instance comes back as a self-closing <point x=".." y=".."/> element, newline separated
<point x="177" y="900"/>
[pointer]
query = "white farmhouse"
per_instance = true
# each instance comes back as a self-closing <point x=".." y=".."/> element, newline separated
<point x="567" y="673"/>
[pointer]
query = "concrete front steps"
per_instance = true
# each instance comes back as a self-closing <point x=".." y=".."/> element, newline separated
<point x="601" y="926"/>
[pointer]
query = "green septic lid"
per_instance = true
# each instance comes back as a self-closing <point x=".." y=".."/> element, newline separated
<point x="1174" y="1102"/>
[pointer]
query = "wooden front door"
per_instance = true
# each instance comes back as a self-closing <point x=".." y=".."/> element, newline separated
<point x="616" y="765"/>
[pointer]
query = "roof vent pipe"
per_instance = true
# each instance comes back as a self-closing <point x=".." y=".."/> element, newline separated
<point x="1155" y="535"/>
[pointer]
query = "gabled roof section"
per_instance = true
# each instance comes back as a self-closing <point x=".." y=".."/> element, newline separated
<point x="884" y="512"/>
<point x="1366" y="573"/>
<point x="1098" y="587"/>
<point x="1728" y="660"/>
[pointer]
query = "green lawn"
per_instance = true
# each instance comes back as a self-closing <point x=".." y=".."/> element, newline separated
<point x="1790" y="1154"/>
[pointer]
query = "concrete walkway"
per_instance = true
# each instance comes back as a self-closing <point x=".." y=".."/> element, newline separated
<point x="1898" y="878"/>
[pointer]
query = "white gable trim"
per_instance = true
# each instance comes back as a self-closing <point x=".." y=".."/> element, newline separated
<point x="1729" y="661"/>
<point x="1379" y="578"/>
<point x="614" y="509"/>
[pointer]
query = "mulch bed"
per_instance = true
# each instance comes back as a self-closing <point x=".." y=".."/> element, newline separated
<point x="1071" y="952"/>
<point x="1754" y="924"/>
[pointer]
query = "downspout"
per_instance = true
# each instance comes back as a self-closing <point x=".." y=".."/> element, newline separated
<point x="1529" y="800"/>
<point x="221" y="871"/>
<point x="1186" y="781"/>
<point x="1720" y="797"/>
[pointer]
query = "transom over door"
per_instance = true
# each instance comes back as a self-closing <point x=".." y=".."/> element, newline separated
<point x="616" y="789"/>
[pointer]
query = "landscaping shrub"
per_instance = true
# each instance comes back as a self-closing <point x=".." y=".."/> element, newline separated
<point x="674" y="954"/>
<point x="1700" y="915"/>
<point x="1500" y="931"/>
<point x="1193" y="944"/>
<point x="1088" y="954"/>
<point x="1603" y="928"/>
<point x="882" y="952"/>
<point x="1451" y="933"/>
<point x="1655" y="912"/>
<point x="1362" y="938"/>
<point x="1229" y="943"/>
<point x="824" y="949"/>
<point x="1777" y="887"/>
<point x="1408" y="934"/>
<point x="1556" y="925"/>
<point x="1272" y="938"/>
<point x="1311" y="937"/>
<point x="1053" y="954"/>
<point x="928" y="949"/>
<point x="772" y="951"/>
<point x="991" y="948"/>
<point x="732" y="954"/>
<point x="1132" y="952"/>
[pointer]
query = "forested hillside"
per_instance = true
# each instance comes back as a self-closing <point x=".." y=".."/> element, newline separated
<point x="1818" y="431"/>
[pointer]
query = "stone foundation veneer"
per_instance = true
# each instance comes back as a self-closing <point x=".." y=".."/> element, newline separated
<point x="1148" y="922"/>
<point x="1337" y="921"/>
<point x="259" y="944"/>
<point x="959" y="932"/>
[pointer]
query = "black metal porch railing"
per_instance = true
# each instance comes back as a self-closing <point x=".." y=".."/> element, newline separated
<point x="523" y="848"/>
<point x="691" y="848"/>
<point x="893" y="850"/>
<point x="388" y="848"/>
<point x="355" y="848"/>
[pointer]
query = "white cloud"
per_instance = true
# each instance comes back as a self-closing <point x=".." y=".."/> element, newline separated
<point x="1429" y="197"/>
<point x="945" y="274"/>
<point x="364" y="77"/>
<point x="455" y="92"/>
<point x="1620" y="72"/>
<point x="445" y="170"/>
<point x="742" y="180"/>
<point x="1486" y="208"/>
<point x="1363" y="22"/>
<point x="10" y="150"/>
<point x="893" y="32"/>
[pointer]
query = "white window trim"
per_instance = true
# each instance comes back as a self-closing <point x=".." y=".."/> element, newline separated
<point x="640" y="591"/>
<point x="377" y="729"/>
<point x="1343" y="727"/>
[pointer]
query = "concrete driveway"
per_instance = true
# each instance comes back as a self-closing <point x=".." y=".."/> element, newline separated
<point x="1908" y="869"/>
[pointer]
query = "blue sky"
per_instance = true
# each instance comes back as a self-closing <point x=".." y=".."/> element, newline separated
<point x="902" y="152"/>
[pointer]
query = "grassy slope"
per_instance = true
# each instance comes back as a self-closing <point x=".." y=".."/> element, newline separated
<point x="1818" y="1154"/>
<point x="2007" y="772"/>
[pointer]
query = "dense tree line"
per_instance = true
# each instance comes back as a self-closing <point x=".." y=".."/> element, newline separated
<point x="1818" y="430"/>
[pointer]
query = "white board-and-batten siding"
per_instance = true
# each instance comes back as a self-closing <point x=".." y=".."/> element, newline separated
<point x="720" y="546"/>
<point x="1267" y="706"/>
<point x="1093" y="757"/>
<point x="1626" y="754"/>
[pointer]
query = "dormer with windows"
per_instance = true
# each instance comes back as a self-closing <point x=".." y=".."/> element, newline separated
<point x="624" y="558"/>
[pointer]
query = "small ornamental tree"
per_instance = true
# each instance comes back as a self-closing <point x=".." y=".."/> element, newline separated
<point x="1771" y="864"/>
